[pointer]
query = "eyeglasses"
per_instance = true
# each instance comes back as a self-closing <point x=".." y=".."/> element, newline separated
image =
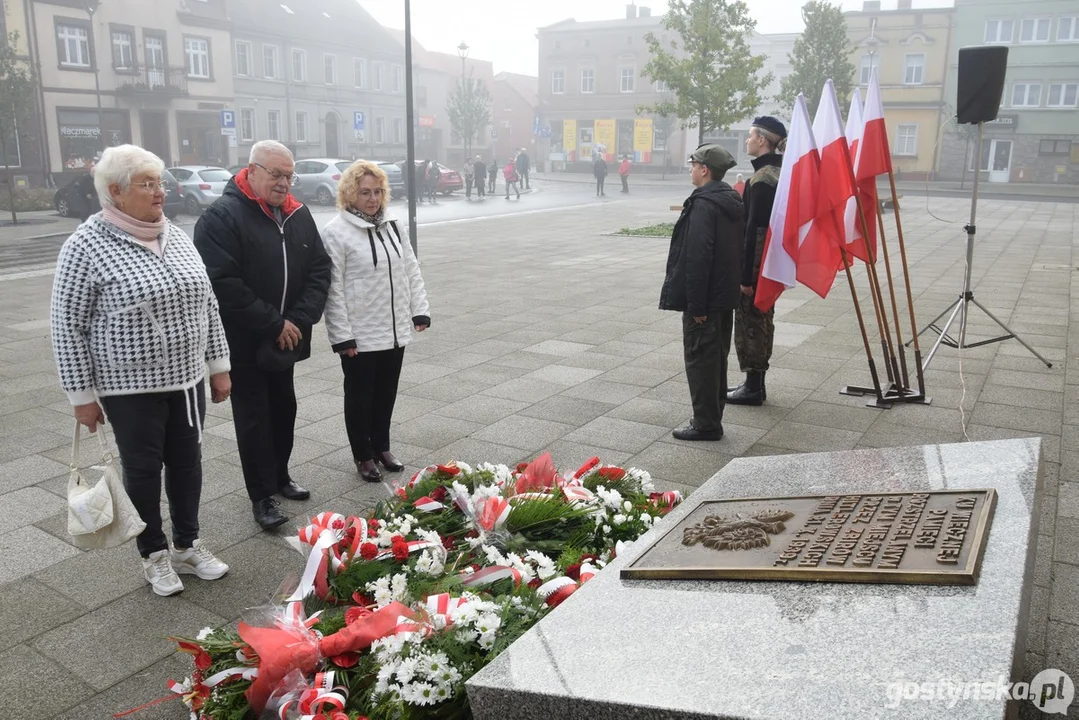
<point x="277" y="175"/>
<point x="379" y="192"/>
<point x="151" y="186"/>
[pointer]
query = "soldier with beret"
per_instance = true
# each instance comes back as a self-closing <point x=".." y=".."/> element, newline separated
<point x="703" y="270"/>
<point x="753" y="329"/>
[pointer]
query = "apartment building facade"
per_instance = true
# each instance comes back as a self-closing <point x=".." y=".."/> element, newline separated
<point x="514" y="113"/>
<point x="909" y="48"/>
<point x="160" y="72"/>
<point x="321" y="76"/>
<point x="1035" y="137"/>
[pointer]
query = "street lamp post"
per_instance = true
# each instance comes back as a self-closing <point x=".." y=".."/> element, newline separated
<point x="462" y="50"/>
<point x="91" y="7"/>
<point x="410" y="131"/>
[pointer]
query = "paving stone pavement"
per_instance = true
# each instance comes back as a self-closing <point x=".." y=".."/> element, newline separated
<point x="546" y="336"/>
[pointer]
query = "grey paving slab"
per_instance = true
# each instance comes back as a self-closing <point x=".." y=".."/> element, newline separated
<point x="857" y="418"/>
<point x="27" y="506"/>
<point x="1064" y="603"/>
<point x="480" y="408"/>
<point x="29" y="549"/>
<point x="446" y="391"/>
<point x="572" y="410"/>
<point x="521" y="431"/>
<point x="434" y="431"/>
<point x="618" y="434"/>
<point x="473" y="451"/>
<point x="604" y="391"/>
<point x="526" y="389"/>
<point x="138" y="689"/>
<point x="1068" y="503"/>
<point x="1016" y="418"/>
<point x="1066" y="545"/>
<point x="653" y="412"/>
<point x="18" y="620"/>
<point x="96" y="578"/>
<point x="683" y="463"/>
<point x="247" y="583"/>
<point x="27" y="695"/>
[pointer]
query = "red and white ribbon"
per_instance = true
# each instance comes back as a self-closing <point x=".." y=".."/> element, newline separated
<point x="491" y="513"/>
<point x="489" y="575"/>
<point x="556" y="590"/>
<point x="426" y="504"/>
<point x="324" y="700"/>
<point x="413" y="546"/>
<point x="577" y="493"/>
<point x="588" y="571"/>
<point x="324" y="532"/>
<point x="441" y="605"/>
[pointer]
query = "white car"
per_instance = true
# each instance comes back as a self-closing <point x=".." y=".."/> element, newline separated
<point x="200" y="185"/>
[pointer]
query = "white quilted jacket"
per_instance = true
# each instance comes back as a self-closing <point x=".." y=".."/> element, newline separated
<point x="376" y="291"/>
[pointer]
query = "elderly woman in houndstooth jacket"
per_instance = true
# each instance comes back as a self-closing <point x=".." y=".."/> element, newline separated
<point x="376" y="299"/>
<point x="135" y="326"/>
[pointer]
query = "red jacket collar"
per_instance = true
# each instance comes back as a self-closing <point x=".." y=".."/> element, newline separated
<point x="288" y="207"/>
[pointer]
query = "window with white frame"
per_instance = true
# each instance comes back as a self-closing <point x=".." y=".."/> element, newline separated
<point x="197" y="52"/>
<point x="627" y="78"/>
<point x="269" y="61"/>
<point x="1062" y="95"/>
<point x="865" y="69"/>
<point x="558" y="82"/>
<point x="906" y="140"/>
<point x="661" y="86"/>
<point x="588" y="81"/>
<point x="273" y="124"/>
<point x="914" y="70"/>
<point x="998" y="31"/>
<point x="247" y="124"/>
<point x="1026" y="95"/>
<point x="659" y="138"/>
<point x="73" y="45"/>
<point x="1034" y="30"/>
<point x="299" y="65"/>
<point x="398" y="131"/>
<point x="396" y="74"/>
<point x="380" y="76"/>
<point x="243" y="58"/>
<point x="1068" y="29"/>
<point x="301" y="126"/>
<point x="123" y="49"/>
<point x="359" y="70"/>
<point x="380" y="129"/>
<point x="1054" y="147"/>
<point x="330" y="61"/>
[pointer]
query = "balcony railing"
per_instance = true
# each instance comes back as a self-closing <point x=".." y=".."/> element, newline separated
<point x="165" y="82"/>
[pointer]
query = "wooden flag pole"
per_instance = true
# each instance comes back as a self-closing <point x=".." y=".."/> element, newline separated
<point x="910" y="297"/>
<point x="895" y="308"/>
<point x="861" y="326"/>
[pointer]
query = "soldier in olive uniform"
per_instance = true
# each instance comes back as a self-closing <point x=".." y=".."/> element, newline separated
<point x="753" y="330"/>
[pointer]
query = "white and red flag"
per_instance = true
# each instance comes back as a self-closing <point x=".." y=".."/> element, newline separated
<point x="793" y="211"/>
<point x="874" y="158"/>
<point x="852" y="228"/>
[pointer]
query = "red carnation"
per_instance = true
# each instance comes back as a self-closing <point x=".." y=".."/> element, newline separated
<point x="373" y="524"/>
<point x="397" y="539"/>
<point x="438" y="494"/>
<point x="400" y="552"/>
<point x="402" y="494"/>
<point x="355" y="613"/>
<point x="534" y="583"/>
<point x="614" y="474"/>
<point x="338" y="524"/>
<point x="203" y="661"/>
<point x="573" y="572"/>
<point x="450" y="469"/>
<point x="449" y="541"/>
<point x="521" y="466"/>
<point x="368" y="551"/>
<point x="591" y="463"/>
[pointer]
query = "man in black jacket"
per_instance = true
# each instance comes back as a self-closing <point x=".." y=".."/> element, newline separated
<point x="271" y="275"/>
<point x="702" y="282"/>
<point x="524" y="166"/>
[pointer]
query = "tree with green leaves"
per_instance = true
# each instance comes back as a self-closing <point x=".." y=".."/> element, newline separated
<point x="469" y="108"/>
<point x="820" y="53"/>
<point x="16" y="100"/>
<point x="716" y="81"/>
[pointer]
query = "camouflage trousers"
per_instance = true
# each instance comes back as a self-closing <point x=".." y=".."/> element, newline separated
<point x="753" y="333"/>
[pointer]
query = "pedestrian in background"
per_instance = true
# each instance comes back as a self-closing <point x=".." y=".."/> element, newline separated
<point x="432" y="175"/>
<point x="702" y="282"/>
<point x="470" y="174"/>
<point x="740" y="184"/>
<point x="754" y="330"/>
<point x="376" y="299"/>
<point x="623" y="172"/>
<point x="480" y="171"/>
<point x="270" y="273"/>
<point x="509" y="173"/>
<point x="599" y="170"/>
<point x="492" y="174"/>
<point x="136" y="329"/>
<point x="524" y="167"/>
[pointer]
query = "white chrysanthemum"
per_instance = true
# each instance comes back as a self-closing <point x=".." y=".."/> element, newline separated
<point x="406" y="670"/>
<point x="465" y="467"/>
<point x="204" y="633"/>
<point x="618" y="519"/>
<point x="621" y="547"/>
<point x="420" y="693"/>
<point x="627" y="506"/>
<point x="646" y="518"/>
<point x="466" y="636"/>
<point x="606" y="529"/>
<point x="486" y="640"/>
<point x="643" y="479"/>
<point x="488" y="622"/>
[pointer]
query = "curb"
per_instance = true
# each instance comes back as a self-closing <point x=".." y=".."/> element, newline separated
<point x="49" y="236"/>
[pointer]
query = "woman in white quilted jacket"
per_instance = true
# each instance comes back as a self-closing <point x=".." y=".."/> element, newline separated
<point x="376" y="299"/>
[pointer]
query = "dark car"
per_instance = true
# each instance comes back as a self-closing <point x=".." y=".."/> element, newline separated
<point x="79" y="198"/>
<point x="396" y="179"/>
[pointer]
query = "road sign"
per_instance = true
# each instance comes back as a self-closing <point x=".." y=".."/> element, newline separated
<point x="358" y="126"/>
<point x="494" y="133"/>
<point x="228" y="119"/>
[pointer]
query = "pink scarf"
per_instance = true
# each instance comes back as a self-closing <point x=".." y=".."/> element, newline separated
<point x="145" y="232"/>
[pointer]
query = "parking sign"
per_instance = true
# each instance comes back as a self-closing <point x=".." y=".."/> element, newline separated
<point x="228" y="119"/>
<point x="358" y="125"/>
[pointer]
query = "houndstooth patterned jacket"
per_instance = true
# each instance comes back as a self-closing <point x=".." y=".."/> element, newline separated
<point x="126" y="321"/>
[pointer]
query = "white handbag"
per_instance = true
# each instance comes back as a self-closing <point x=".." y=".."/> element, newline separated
<point x="99" y="514"/>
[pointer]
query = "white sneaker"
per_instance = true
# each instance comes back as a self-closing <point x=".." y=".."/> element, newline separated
<point x="159" y="573"/>
<point x="197" y="560"/>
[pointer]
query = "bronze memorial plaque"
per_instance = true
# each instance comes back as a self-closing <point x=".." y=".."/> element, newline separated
<point x="935" y="537"/>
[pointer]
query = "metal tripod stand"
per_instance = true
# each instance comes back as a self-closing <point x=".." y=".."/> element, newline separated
<point x="959" y="307"/>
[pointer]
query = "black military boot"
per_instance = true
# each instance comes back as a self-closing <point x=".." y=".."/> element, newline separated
<point x="764" y="388"/>
<point x="749" y="393"/>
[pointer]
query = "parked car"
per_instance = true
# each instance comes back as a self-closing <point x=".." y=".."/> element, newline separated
<point x="79" y="198"/>
<point x="397" y="180"/>
<point x="317" y="178"/>
<point x="200" y="185"/>
<point x="234" y="170"/>
<point x="450" y="180"/>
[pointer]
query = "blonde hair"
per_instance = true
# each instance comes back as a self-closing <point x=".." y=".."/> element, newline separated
<point x="348" y="188"/>
<point x="118" y="165"/>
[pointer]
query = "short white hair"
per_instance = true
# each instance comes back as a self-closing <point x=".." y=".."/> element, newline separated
<point x="264" y="148"/>
<point x="118" y="165"/>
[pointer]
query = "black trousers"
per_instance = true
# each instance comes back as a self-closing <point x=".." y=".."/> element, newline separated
<point x="468" y="187"/>
<point x="481" y="186"/>
<point x="154" y="430"/>
<point x="370" y="392"/>
<point x="264" y="414"/>
<point x="525" y="180"/>
<point x="706" y="347"/>
<point x="512" y="186"/>
<point x="625" y="183"/>
<point x="493" y="179"/>
<point x="599" y="185"/>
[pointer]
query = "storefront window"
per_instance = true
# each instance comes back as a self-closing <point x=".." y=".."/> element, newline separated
<point x="81" y="135"/>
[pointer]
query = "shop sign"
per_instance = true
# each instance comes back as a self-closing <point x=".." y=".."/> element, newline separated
<point x="1004" y="122"/>
<point x="76" y="132"/>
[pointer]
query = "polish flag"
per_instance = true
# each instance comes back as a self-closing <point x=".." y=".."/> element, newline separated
<point x="819" y="256"/>
<point x="852" y="229"/>
<point x="874" y="158"/>
<point x="793" y="210"/>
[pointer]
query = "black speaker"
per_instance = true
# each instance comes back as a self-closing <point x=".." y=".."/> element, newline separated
<point x="981" y="82"/>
